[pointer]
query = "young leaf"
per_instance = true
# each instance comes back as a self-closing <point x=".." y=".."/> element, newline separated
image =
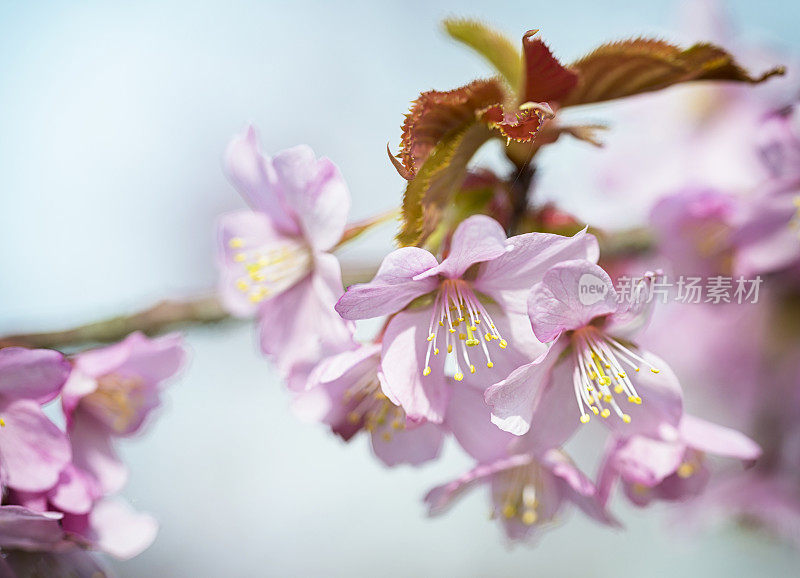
<point x="631" y="67"/>
<point x="436" y="114"/>
<point x="521" y="125"/>
<point x="490" y="44"/>
<point x="546" y="79"/>
<point x="441" y="174"/>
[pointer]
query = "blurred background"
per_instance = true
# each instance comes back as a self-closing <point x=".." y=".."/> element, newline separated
<point x="113" y="120"/>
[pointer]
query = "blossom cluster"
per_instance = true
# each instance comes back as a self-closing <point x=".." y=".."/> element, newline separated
<point x="60" y="486"/>
<point x="491" y="342"/>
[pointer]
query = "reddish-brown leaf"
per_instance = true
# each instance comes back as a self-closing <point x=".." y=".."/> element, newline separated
<point x="632" y="67"/>
<point x="436" y="114"/>
<point x="546" y="79"/>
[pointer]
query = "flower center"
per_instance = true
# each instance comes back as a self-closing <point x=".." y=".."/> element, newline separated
<point x="520" y="488"/>
<point x="465" y="323"/>
<point x="269" y="270"/>
<point x="116" y="401"/>
<point x="371" y="409"/>
<point x="599" y="373"/>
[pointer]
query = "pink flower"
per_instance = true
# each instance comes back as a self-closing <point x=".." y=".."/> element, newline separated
<point x="33" y="451"/>
<point x="276" y="260"/>
<point x="454" y="317"/>
<point x="347" y="392"/>
<point x="110" y="393"/>
<point x="671" y="469"/>
<point x="693" y="228"/>
<point x="767" y="235"/>
<point x="590" y="363"/>
<point x="528" y="491"/>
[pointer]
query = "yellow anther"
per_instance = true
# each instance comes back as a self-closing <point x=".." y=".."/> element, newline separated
<point x="426" y="371"/>
<point x="529" y="517"/>
<point x="451" y="330"/>
<point x="2" y="422"/>
<point x="462" y="336"/>
<point x="607" y="398"/>
<point x="449" y="348"/>
<point x="255" y="296"/>
<point x="397" y="425"/>
<point x="626" y="418"/>
<point x="654" y="370"/>
<point x="441" y="324"/>
<point x="605" y="413"/>
<point x="637" y="400"/>
<point x="503" y="344"/>
<point x="622" y="375"/>
<point x="239" y="257"/>
<point x="637" y="369"/>
<point x="353" y="417"/>
<point x="619" y="389"/>
<point x="458" y="376"/>
<point x="242" y="285"/>
<point x="387" y="436"/>
<point x="472" y="369"/>
<point x="257" y="277"/>
<point x="236" y="242"/>
<point x="431" y="336"/>
<point x="509" y="511"/>
<point x="488" y="337"/>
<point x="585" y="418"/>
<point x="473" y="328"/>
<point x="436" y="351"/>
<point x="489" y="364"/>
<point x="595" y="411"/>
<point x="685" y="470"/>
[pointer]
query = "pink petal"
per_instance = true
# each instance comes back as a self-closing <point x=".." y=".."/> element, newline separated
<point x="392" y="288"/>
<point x="570" y="295"/>
<point x="28" y="530"/>
<point x="121" y="531"/>
<point x="78" y="386"/>
<point x="75" y="492"/>
<point x="300" y="327"/>
<point x="349" y="361"/>
<point x="35" y="374"/>
<point x="661" y="409"/>
<point x="715" y="439"/>
<point x="403" y="359"/>
<point x="555" y="415"/>
<point x="103" y="360"/>
<point x="440" y="498"/>
<point x="469" y="418"/>
<point x="476" y="239"/>
<point x="94" y="454"/>
<point x="316" y="192"/>
<point x="643" y="460"/>
<point x="533" y="254"/>
<point x="513" y="400"/>
<point x="155" y="359"/>
<point x="414" y="445"/>
<point x="254" y="177"/>
<point x="33" y="451"/>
